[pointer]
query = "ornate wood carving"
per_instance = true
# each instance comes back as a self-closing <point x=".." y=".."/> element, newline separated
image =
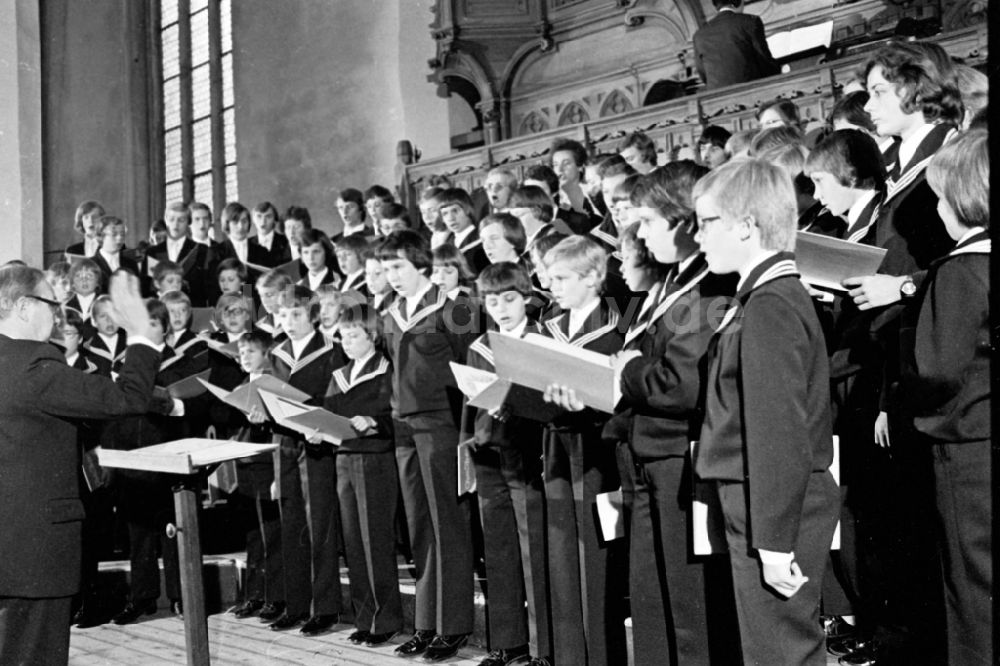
<point x="533" y="123"/>
<point x="573" y="114"/>
<point x="614" y="104"/>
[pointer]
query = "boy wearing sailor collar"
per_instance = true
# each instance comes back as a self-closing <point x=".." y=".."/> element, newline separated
<point x="107" y="345"/>
<point x="269" y="285"/>
<point x="767" y="450"/>
<point x="584" y="627"/>
<point x="306" y="475"/>
<point x="945" y="391"/>
<point x="366" y="477"/>
<point x="425" y="331"/>
<point x="506" y="457"/>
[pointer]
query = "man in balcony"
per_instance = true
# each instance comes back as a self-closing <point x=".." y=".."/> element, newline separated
<point x="731" y="48"/>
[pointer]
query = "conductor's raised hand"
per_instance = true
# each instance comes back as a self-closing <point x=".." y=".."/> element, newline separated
<point x="127" y="306"/>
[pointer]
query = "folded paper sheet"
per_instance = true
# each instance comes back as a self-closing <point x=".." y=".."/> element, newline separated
<point x="306" y="420"/>
<point x="246" y="396"/>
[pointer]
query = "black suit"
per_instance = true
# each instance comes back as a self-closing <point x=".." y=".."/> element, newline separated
<point x="279" y="253"/>
<point x="198" y="263"/>
<point x="731" y="49"/>
<point x="124" y="263"/>
<point x="41" y="511"/>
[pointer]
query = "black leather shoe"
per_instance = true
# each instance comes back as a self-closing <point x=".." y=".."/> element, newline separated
<point x="271" y="611"/>
<point x="444" y="647"/>
<point x="133" y="611"/>
<point x="416" y="645"/>
<point x="379" y="639"/>
<point x="88" y="617"/>
<point x="848" y="645"/>
<point x="359" y="636"/>
<point x="518" y="655"/>
<point x="287" y="621"/>
<point x="863" y="657"/>
<point x="835" y="627"/>
<point x="318" y="624"/>
<point x="248" y="608"/>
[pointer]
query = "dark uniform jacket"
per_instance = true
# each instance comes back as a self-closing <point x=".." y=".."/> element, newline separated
<point x="767" y="407"/>
<point x="731" y="48"/>
<point x="40" y="507"/>
<point x="368" y="394"/>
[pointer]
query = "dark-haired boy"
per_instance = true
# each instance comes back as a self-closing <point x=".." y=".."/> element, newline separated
<point x="107" y="344"/>
<point x="265" y="585"/>
<point x="366" y="477"/>
<point x="507" y="459"/>
<point x="425" y="331"/>
<point x="306" y="474"/>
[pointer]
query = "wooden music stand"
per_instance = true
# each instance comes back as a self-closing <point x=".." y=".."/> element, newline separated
<point x="190" y="458"/>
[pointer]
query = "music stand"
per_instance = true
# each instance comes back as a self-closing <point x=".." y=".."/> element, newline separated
<point x="188" y="458"/>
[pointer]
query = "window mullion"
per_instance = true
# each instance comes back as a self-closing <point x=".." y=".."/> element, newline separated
<point x="187" y="129"/>
<point x="215" y="83"/>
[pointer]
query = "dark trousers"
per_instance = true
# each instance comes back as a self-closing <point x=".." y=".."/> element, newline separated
<point x="434" y="437"/>
<point x="963" y="491"/>
<point x="774" y="629"/>
<point x="682" y="607"/>
<point x="419" y="527"/>
<point x="309" y="528"/>
<point x="367" y="493"/>
<point x="584" y="579"/>
<point x="147" y="504"/>
<point x="512" y="508"/>
<point x="34" y="631"/>
<point x="98" y="536"/>
<point x="260" y="519"/>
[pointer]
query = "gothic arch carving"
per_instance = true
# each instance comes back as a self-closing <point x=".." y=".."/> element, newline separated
<point x="465" y="66"/>
<point x="533" y="123"/>
<point x="573" y="114"/>
<point x="615" y="103"/>
<point x="681" y="18"/>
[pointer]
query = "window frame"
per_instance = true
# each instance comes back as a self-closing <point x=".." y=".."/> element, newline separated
<point x="218" y="165"/>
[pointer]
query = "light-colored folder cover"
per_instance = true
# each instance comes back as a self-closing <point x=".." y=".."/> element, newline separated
<point x="825" y="261"/>
<point x="611" y="515"/>
<point x="306" y="420"/>
<point x="189" y="387"/>
<point x="810" y="37"/>
<point x="487" y="391"/>
<point x="465" y="470"/>
<point x="247" y="396"/>
<point x="230" y="349"/>
<point x="183" y="456"/>
<point x="536" y="361"/>
<point x="289" y="268"/>
<point x="202" y="319"/>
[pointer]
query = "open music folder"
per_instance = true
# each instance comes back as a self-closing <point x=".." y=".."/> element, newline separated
<point x="536" y="361"/>
<point x="306" y="420"/>
<point x="825" y="261"/>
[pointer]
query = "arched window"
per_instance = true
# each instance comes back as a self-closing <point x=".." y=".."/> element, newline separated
<point x="196" y="97"/>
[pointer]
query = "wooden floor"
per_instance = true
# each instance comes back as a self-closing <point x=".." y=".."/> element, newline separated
<point x="159" y="640"/>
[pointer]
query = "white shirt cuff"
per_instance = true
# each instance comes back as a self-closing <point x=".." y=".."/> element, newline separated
<point x="178" y="409"/>
<point x="773" y="557"/>
<point x="143" y="340"/>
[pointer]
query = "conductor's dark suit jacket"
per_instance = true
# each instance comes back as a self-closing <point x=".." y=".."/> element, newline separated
<point x="40" y="508"/>
<point x="731" y="49"/>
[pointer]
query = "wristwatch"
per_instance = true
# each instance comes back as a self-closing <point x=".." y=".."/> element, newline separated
<point x="908" y="288"/>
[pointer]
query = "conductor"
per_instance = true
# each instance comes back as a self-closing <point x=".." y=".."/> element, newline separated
<point x="40" y="508"/>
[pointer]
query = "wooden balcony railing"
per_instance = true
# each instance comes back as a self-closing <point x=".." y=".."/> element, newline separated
<point x="679" y="122"/>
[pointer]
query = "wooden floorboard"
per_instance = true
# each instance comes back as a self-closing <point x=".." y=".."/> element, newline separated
<point x="159" y="641"/>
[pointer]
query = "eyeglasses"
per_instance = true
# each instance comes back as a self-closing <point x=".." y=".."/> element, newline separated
<point x="55" y="306"/>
